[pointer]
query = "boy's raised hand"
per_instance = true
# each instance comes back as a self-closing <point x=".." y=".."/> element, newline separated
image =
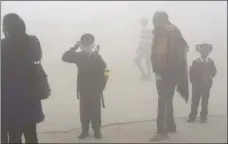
<point x="76" y="46"/>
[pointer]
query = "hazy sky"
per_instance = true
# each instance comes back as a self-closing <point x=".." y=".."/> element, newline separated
<point x="199" y="21"/>
<point x="116" y="24"/>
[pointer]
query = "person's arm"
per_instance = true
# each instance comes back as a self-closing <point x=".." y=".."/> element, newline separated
<point x="214" y="70"/>
<point x="36" y="50"/>
<point x="103" y="64"/>
<point x="71" y="56"/>
<point x="191" y="71"/>
<point x="99" y="70"/>
<point x="186" y="45"/>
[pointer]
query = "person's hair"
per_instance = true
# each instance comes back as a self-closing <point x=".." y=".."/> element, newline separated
<point x="161" y="16"/>
<point x="14" y="30"/>
<point x="199" y="46"/>
<point x="87" y="39"/>
<point x="13" y="25"/>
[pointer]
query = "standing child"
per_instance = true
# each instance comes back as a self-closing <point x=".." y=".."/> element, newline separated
<point x="143" y="50"/>
<point x="202" y="72"/>
<point x="91" y="82"/>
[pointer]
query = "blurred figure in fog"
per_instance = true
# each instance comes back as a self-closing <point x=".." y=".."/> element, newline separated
<point x="143" y="50"/>
<point x="20" y="110"/>
<point x="169" y="64"/>
<point x="90" y="83"/>
<point x="202" y="72"/>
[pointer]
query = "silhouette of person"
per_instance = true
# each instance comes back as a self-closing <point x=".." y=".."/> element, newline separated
<point x="90" y="82"/>
<point x="169" y="64"/>
<point x="20" y="110"/>
<point x="201" y="73"/>
<point x="143" y="50"/>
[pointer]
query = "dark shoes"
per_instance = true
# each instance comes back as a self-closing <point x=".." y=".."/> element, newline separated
<point x="98" y="135"/>
<point x="159" y="137"/>
<point x="191" y="120"/>
<point x="203" y="120"/>
<point x="171" y="130"/>
<point x="83" y="135"/>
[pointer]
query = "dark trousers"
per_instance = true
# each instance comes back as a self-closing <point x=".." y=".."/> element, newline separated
<point x="90" y="111"/>
<point x="165" y="118"/>
<point x="15" y="135"/>
<point x="4" y="135"/>
<point x="200" y="91"/>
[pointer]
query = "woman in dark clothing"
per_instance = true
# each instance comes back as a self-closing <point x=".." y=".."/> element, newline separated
<point x="20" y="111"/>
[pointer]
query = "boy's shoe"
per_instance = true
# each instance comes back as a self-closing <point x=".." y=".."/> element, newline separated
<point x="171" y="130"/>
<point x="203" y="120"/>
<point x="83" y="135"/>
<point x="191" y="120"/>
<point x="98" y="135"/>
<point x="159" y="137"/>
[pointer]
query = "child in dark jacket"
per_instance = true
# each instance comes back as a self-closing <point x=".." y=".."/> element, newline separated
<point x="202" y="72"/>
<point x="90" y="83"/>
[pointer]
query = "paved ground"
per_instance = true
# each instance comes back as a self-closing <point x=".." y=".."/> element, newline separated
<point x="215" y="131"/>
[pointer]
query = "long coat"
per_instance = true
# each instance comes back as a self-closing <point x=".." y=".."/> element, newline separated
<point x="169" y="55"/>
<point x="18" y="106"/>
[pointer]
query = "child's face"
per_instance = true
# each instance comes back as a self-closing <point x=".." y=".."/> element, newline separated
<point x="88" y="48"/>
<point x="204" y="51"/>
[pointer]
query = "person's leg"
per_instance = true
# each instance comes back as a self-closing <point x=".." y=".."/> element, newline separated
<point x="196" y="95"/>
<point x="170" y="122"/>
<point x="161" y="107"/>
<point x="138" y="63"/>
<point x="4" y="136"/>
<point x="96" y="116"/>
<point x="30" y="133"/>
<point x="84" y="117"/>
<point x="205" y="98"/>
<point x="15" y="135"/>
<point x="148" y="65"/>
<point x="161" y="113"/>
